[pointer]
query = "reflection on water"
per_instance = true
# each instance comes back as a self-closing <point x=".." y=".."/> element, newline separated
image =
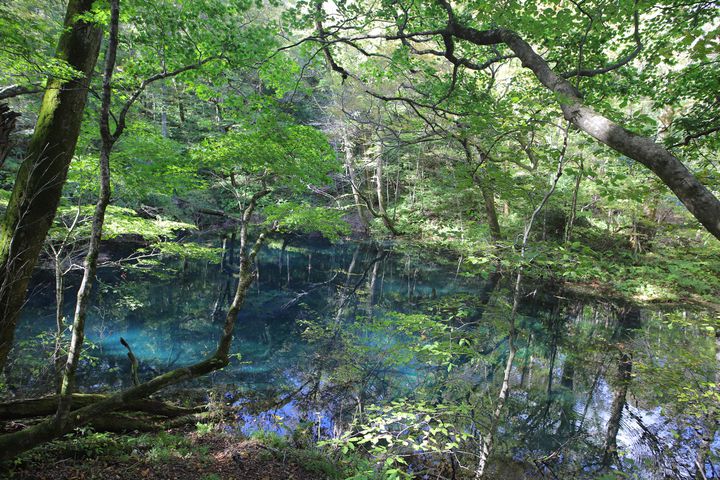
<point x="327" y="331"/>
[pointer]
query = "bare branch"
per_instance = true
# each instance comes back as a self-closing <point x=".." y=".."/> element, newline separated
<point x="11" y="91"/>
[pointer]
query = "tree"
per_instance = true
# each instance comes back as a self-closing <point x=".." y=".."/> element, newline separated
<point x="452" y="31"/>
<point x="278" y="157"/>
<point x="39" y="182"/>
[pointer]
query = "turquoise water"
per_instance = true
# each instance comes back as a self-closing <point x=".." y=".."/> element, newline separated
<point x="329" y="330"/>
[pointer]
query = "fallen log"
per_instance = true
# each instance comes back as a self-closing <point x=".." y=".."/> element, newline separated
<point x="43" y="406"/>
<point x="117" y="422"/>
<point x="122" y="423"/>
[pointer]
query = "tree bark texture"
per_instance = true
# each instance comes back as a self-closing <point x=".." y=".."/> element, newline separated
<point x="7" y="125"/>
<point x="38" y="185"/>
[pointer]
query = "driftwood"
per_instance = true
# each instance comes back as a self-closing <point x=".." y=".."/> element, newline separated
<point x="44" y="406"/>
<point x="133" y="361"/>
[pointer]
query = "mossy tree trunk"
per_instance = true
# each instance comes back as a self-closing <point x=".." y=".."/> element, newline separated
<point x="44" y="406"/>
<point x="39" y="182"/>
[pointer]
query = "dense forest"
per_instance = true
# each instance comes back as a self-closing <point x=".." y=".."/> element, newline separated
<point x="370" y="239"/>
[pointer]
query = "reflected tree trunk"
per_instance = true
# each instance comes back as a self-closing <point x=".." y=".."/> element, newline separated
<point x="526" y="363"/>
<point x="345" y="291"/>
<point x="711" y="422"/>
<point x="556" y="324"/>
<point x="629" y="320"/>
<point x="489" y="286"/>
<point x="624" y="372"/>
<point x="373" y="282"/>
<point x="567" y="399"/>
<point x="486" y="444"/>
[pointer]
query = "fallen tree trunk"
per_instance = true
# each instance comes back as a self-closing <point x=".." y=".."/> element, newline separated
<point x="40" y="407"/>
<point x="14" y="443"/>
<point x="122" y="422"/>
<point x="16" y="90"/>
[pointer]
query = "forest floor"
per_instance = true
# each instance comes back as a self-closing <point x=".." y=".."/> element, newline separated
<point x="172" y="455"/>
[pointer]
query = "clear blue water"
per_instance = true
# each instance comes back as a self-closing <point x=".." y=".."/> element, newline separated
<point x="329" y="330"/>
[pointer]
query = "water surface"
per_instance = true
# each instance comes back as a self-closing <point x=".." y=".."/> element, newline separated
<point x="328" y="331"/>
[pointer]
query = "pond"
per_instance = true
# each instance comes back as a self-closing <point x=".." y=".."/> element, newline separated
<point x="329" y="331"/>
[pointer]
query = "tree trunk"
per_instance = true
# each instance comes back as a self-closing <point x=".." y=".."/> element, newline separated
<point x="573" y="206"/>
<point x="387" y="221"/>
<point x="90" y="264"/>
<point x="218" y="114"/>
<point x="163" y="111"/>
<point x="11" y="91"/>
<point x="490" y="212"/>
<point x="378" y="185"/>
<point x="40" y="407"/>
<point x="181" y="105"/>
<point x="487" y="192"/>
<point x="350" y="167"/>
<point x="694" y="195"/>
<point x="39" y="182"/>
<point x="59" y="319"/>
<point x="7" y="125"/>
<point x="382" y="213"/>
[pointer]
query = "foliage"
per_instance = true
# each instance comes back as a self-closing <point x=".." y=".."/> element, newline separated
<point x="428" y="137"/>
<point x="291" y="155"/>
<point x="119" y="221"/>
<point x="29" y="30"/>
<point x="403" y="435"/>
<point x="294" y="217"/>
